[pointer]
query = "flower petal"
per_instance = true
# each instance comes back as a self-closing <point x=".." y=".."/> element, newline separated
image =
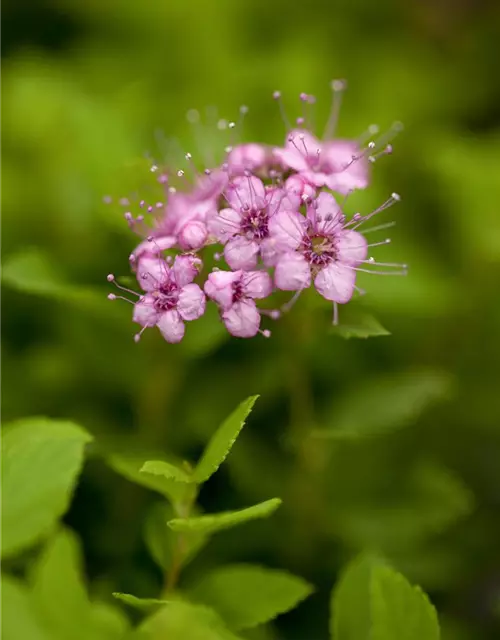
<point x="154" y="246"/>
<point x="152" y="272"/>
<point x="269" y="252"/>
<point x="287" y="228"/>
<point x="242" y="319"/>
<point x="171" y="326"/>
<point x="192" y="235"/>
<point x="219" y="287"/>
<point x="241" y="253"/>
<point x="225" y="224"/>
<point x="292" y="272"/>
<point x="325" y="214"/>
<point x="352" y="248"/>
<point x="336" y="282"/>
<point x="246" y="157"/>
<point x="246" y="192"/>
<point x="256" y="284"/>
<point x="345" y="173"/>
<point x="185" y="269"/>
<point x="191" y="303"/>
<point x="145" y="313"/>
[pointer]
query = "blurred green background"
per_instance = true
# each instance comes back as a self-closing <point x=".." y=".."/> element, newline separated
<point x="409" y="463"/>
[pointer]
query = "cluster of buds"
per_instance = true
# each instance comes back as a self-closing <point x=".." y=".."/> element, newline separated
<point x="268" y="213"/>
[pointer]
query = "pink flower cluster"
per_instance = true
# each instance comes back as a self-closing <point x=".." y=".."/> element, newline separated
<point x="272" y="217"/>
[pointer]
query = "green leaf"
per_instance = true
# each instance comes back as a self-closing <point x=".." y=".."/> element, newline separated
<point x="161" y="540"/>
<point x="388" y="403"/>
<point x="222" y="441"/>
<point x="41" y="460"/>
<point x="129" y="466"/>
<point x="139" y="603"/>
<point x="58" y="590"/>
<point x="248" y="595"/>
<point x="110" y="620"/>
<point x="357" y="324"/>
<point x="32" y="272"/>
<point x="184" y="621"/>
<point x="225" y="520"/>
<point x="165" y="469"/>
<point x="374" y="602"/>
<point x="19" y="618"/>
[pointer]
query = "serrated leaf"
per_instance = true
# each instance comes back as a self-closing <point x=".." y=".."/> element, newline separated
<point x="166" y="470"/>
<point x="222" y="441"/>
<point x="357" y="324"/>
<point x="388" y="402"/>
<point x="129" y="466"/>
<point x="41" y="460"/>
<point x="248" y="595"/>
<point x="58" y="591"/>
<point x="139" y="603"/>
<point x="374" y="602"/>
<point x="162" y="541"/>
<point x="225" y="520"/>
<point x="183" y="621"/>
<point x="19" y="618"/>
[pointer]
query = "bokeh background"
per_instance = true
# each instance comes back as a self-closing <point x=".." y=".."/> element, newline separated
<point x="408" y="462"/>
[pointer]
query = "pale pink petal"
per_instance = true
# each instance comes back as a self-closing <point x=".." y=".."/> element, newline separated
<point x="292" y="272"/>
<point x="315" y="178"/>
<point x="242" y="319"/>
<point x="210" y="186"/>
<point x="224" y="224"/>
<point x="287" y="228"/>
<point x="144" y="311"/>
<point x="185" y="269"/>
<point x="246" y="192"/>
<point x="256" y="284"/>
<point x="246" y="157"/>
<point x="300" y="188"/>
<point x="352" y="248"/>
<point x="241" y="253"/>
<point x="219" y="287"/>
<point x="336" y="282"/>
<point x="269" y="252"/>
<point x="171" y="326"/>
<point x="152" y="272"/>
<point x="192" y="235"/>
<point x="191" y="303"/>
<point x="325" y="214"/>
<point x="346" y="174"/>
<point x="154" y="246"/>
<point x="290" y="158"/>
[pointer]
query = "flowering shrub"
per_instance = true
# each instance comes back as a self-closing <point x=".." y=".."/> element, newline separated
<point x="271" y="214"/>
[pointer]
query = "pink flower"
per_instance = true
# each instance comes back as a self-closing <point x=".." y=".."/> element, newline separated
<point x="320" y="246"/>
<point x="235" y="292"/>
<point x="247" y="157"/>
<point x="337" y="164"/>
<point x="171" y="296"/>
<point x="244" y="227"/>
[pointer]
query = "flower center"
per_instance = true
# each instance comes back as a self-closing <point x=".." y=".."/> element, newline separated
<point x="166" y="297"/>
<point x="255" y="224"/>
<point x="237" y="291"/>
<point x="318" y="250"/>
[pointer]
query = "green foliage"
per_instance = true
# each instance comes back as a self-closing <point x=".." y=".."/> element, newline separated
<point x="225" y="520"/>
<point x="166" y="470"/>
<point x="222" y="441"/>
<point x="389" y="403"/>
<point x="181" y="620"/>
<point x="162" y="541"/>
<point x="41" y="460"/>
<point x="248" y="595"/>
<point x="60" y="597"/>
<point x="19" y="620"/>
<point x="358" y="324"/>
<point x="139" y="603"/>
<point x="374" y="602"/>
<point x="132" y="468"/>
